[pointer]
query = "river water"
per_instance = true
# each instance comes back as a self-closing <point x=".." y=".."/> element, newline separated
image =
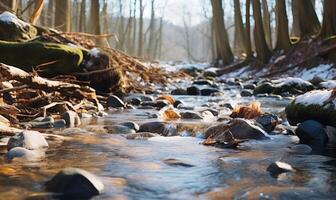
<point x="135" y="169"/>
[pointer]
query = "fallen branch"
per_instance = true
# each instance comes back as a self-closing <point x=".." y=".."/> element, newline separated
<point x="37" y="82"/>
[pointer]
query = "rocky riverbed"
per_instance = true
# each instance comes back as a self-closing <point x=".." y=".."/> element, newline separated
<point x="210" y="138"/>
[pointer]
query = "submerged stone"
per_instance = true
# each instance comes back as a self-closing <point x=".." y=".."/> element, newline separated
<point x="31" y="140"/>
<point x="160" y="128"/>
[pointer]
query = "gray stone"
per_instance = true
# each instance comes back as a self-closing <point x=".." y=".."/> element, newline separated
<point x="115" y="102"/>
<point x="179" y="91"/>
<point x="20" y="152"/>
<point x="246" y="93"/>
<point x="249" y="86"/>
<point x="268" y="121"/>
<point x="119" y="129"/>
<point x="31" y="140"/>
<point x="160" y="128"/>
<point x="60" y="123"/>
<point x="141" y="136"/>
<point x="193" y="90"/>
<point x="177" y="163"/>
<point x="74" y="182"/>
<point x="190" y="115"/>
<point x="209" y="91"/>
<point x="312" y="133"/>
<point x="278" y="167"/>
<point x="131" y="125"/>
<point x="71" y="118"/>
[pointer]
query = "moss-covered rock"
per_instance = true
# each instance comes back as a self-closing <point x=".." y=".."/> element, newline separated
<point x="283" y="85"/>
<point x="264" y="88"/>
<point x="315" y="105"/>
<point x="14" y="29"/>
<point x="60" y="59"/>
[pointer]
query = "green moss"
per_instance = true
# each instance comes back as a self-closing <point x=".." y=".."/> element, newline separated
<point x="297" y="113"/>
<point x="31" y="54"/>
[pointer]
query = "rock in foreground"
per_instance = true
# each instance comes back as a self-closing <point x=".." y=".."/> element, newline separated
<point x="74" y="182"/>
<point x="31" y="140"/>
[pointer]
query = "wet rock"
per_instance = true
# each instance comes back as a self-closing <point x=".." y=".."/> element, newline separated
<point x="42" y="122"/>
<point x="44" y="119"/>
<point x="278" y="167"/>
<point x="71" y="119"/>
<point x="209" y="73"/>
<point x="60" y="123"/>
<point x="202" y="82"/>
<point x="119" y="129"/>
<point x="131" y="125"/>
<point x="312" y="133"/>
<point x="209" y="91"/>
<point x="178" y="103"/>
<point x="213" y="111"/>
<point x="148" y="104"/>
<point x="141" y="136"/>
<point x="315" y="105"/>
<point x="249" y="86"/>
<point x="175" y="162"/>
<point x="268" y="121"/>
<point x="246" y="93"/>
<point x="133" y="101"/>
<point x="31" y="140"/>
<point x="264" y="88"/>
<point x="227" y="105"/>
<point x="331" y="132"/>
<point x="160" y="128"/>
<point x="192" y="71"/>
<point x="190" y="115"/>
<point x="193" y="90"/>
<point x="179" y="91"/>
<point x="300" y="149"/>
<point x="74" y="182"/>
<point x="115" y="102"/>
<point x="239" y="128"/>
<point x="161" y="104"/>
<point x="85" y="115"/>
<point x="20" y="152"/>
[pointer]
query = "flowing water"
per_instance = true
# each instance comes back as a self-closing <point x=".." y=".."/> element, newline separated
<point x="135" y="169"/>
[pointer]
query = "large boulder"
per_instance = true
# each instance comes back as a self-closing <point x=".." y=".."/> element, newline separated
<point x="74" y="182"/>
<point x="160" y="128"/>
<point x="318" y="105"/>
<point x="31" y="140"/>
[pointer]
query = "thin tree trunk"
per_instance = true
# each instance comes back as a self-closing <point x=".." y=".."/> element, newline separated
<point x="51" y="9"/>
<point x="263" y="52"/>
<point x="133" y="48"/>
<point x="306" y="19"/>
<point x="329" y="19"/>
<point x="239" y="40"/>
<point x="151" y="38"/>
<point x="283" y="41"/>
<point x="224" y="52"/>
<point x="63" y="15"/>
<point x="94" y="17"/>
<point x="8" y="5"/>
<point x="140" y="37"/>
<point x="248" y="29"/>
<point x="82" y="18"/>
<point x="267" y="23"/>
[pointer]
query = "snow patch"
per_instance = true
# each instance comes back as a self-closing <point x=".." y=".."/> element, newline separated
<point x="94" y="52"/>
<point x="331" y="84"/>
<point x="316" y="97"/>
<point x="8" y="17"/>
<point x="291" y="81"/>
<point x="323" y="71"/>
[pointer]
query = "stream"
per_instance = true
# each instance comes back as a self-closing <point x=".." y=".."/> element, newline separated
<point x="135" y="169"/>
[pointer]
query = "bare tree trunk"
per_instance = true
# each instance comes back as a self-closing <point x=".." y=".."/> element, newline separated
<point x="140" y="37"/>
<point x="267" y="23"/>
<point x="82" y="18"/>
<point x="239" y="40"/>
<point x="224" y="52"/>
<point x="51" y="10"/>
<point x="248" y="29"/>
<point x="133" y="48"/>
<point x="329" y="19"/>
<point x="283" y="41"/>
<point x="63" y="15"/>
<point x="263" y="52"/>
<point x="151" y="38"/>
<point x="8" y="5"/>
<point x="306" y="18"/>
<point x="94" y="17"/>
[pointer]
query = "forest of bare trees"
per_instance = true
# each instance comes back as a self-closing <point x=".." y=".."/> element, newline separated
<point x="228" y="29"/>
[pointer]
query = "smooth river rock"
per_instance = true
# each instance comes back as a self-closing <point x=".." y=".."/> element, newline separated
<point x="160" y="128"/>
<point x="74" y="182"/>
<point x="31" y="140"/>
